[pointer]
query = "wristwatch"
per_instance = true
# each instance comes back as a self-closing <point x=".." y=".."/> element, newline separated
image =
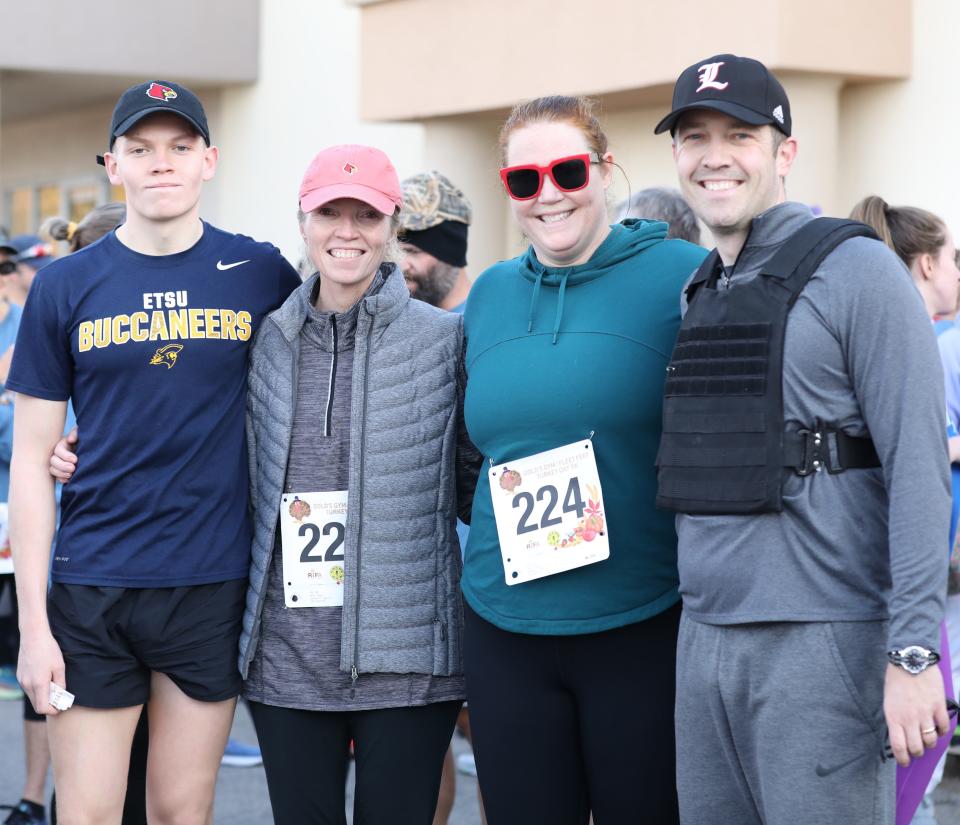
<point x="913" y="658"/>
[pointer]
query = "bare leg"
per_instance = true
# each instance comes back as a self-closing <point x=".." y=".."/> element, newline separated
<point x="37" y="749"/>
<point x="91" y="753"/>
<point x="187" y="738"/>
<point x="448" y="790"/>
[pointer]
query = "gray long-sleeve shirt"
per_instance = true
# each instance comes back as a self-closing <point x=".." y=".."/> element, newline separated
<point x="860" y="355"/>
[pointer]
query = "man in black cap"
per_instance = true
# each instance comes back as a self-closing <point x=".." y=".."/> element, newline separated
<point x="147" y="332"/>
<point x="804" y="449"/>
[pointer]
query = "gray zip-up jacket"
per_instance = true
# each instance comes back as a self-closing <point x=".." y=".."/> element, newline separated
<point x="412" y="468"/>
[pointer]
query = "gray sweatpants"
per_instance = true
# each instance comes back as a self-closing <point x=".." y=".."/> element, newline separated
<point x="782" y="724"/>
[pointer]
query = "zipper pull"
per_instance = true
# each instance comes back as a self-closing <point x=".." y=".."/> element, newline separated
<point x="443" y="629"/>
<point x="353" y="681"/>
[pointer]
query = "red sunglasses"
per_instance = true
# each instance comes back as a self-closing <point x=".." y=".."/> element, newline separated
<point x="568" y="174"/>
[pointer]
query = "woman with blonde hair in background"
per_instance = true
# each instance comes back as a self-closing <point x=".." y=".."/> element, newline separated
<point x="925" y="245"/>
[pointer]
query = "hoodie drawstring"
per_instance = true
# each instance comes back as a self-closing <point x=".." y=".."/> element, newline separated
<point x="533" y="301"/>
<point x="563" y="291"/>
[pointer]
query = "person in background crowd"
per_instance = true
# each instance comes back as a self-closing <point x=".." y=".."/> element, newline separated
<point x="659" y="203"/>
<point x="922" y="241"/>
<point x="358" y="451"/>
<point x="152" y="324"/>
<point x="812" y="600"/>
<point x="946" y="320"/>
<point x="30" y="809"/>
<point x="433" y="239"/>
<point x="32" y="255"/>
<point x="570" y="580"/>
<point x="9" y="687"/>
<point x="98" y="222"/>
<point x="434" y="225"/>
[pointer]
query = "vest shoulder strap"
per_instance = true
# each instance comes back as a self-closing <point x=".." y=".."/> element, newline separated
<point x="796" y="261"/>
<point x="705" y="271"/>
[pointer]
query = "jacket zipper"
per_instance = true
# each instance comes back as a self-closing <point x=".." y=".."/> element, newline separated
<point x="295" y="377"/>
<point x="726" y="277"/>
<point x="354" y="673"/>
<point x="328" y="416"/>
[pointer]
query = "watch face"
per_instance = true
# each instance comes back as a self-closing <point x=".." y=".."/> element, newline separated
<point x="915" y="659"/>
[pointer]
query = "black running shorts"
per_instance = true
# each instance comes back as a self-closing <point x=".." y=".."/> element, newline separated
<point x="112" y="638"/>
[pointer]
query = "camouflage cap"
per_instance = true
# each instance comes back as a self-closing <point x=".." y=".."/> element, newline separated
<point x="429" y="199"/>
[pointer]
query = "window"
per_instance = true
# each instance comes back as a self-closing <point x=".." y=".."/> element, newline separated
<point x="49" y="201"/>
<point x="26" y="207"/>
<point x="80" y="200"/>
<point x="21" y="211"/>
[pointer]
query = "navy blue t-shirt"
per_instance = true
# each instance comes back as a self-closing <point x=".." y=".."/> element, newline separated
<point x="153" y="352"/>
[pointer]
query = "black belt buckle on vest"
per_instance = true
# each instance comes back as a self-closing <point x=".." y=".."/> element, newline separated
<point x="833" y="449"/>
<point x="816" y="452"/>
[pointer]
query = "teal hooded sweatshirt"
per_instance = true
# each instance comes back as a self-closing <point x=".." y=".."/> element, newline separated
<point x="552" y="355"/>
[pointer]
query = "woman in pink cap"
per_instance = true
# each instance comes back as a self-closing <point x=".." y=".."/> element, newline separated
<point x="359" y="466"/>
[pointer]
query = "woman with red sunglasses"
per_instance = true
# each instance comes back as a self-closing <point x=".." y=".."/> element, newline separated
<point x="570" y="577"/>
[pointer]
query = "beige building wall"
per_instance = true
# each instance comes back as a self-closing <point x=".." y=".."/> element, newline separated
<point x="497" y="51"/>
<point x="465" y="149"/>
<point x="861" y="76"/>
<point x="900" y="140"/>
<point x="306" y="98"/>
<point x="870" y="84"/>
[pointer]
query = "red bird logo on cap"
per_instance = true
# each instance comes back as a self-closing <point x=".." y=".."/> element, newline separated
<point x="350" y="168"/>
<point x="160" y="92"/>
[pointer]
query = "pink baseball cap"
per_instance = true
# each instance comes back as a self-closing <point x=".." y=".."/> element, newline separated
<point x="351" y="171"/>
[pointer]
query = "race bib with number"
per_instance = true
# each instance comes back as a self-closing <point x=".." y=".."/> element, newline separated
<point x="312" y="527"/>
<point x="549" y="512"/>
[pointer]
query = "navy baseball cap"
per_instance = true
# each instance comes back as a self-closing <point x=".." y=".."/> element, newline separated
<point x="5" y="244"/>
<point x="737" y="86"/>
<point x="156" y="96"/>
<point x="31" y="250"/>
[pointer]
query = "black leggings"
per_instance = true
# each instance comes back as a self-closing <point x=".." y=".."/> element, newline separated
<point x="399" y="758"/>
<point x="566" y="725"/>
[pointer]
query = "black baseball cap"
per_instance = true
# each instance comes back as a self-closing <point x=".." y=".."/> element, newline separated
<point x="156" y="96"/>
<point x="737" y="86"/>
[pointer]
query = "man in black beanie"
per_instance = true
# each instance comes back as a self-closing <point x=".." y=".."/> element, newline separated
<point x="433" y="238"/>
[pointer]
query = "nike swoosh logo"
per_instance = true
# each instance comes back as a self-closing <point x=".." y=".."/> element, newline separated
<point x="222" y="266"/>
<point x="822" y="771"/>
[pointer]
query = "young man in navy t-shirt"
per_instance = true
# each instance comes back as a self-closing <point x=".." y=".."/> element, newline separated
<point x="149" y="328"/>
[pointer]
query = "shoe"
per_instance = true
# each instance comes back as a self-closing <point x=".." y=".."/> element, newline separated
<point x="9" y="686"/>
<point x="238" y="755"/>
<point x="466" y="764"/>
<point x="24" y="813"/>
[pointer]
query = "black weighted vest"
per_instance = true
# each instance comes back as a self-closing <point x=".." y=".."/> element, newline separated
<point x="724" y="449"/>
